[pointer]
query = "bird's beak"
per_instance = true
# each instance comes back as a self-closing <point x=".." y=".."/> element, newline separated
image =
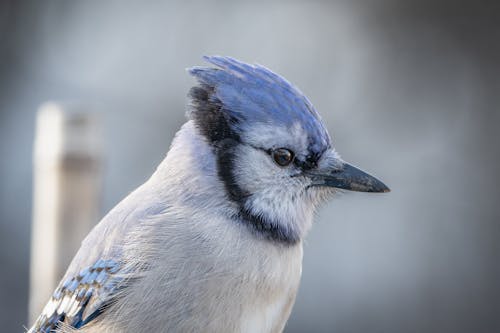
<point x="348" y="177"/>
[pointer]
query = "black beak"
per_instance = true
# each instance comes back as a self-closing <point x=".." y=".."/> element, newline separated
<point x="348" y="177"/>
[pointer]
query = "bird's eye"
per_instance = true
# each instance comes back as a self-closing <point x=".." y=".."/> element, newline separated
<point x="282" y="156"/>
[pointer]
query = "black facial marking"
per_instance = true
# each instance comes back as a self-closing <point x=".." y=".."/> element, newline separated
<point x="262" y="227"/>
<point x="225" y="151"/>
<point x="211" y="120"/>
<point x="311" y="160"/>
<point x="270" y="230"/>
<point x="209" y="116"/>
<point x="216" y="126"/>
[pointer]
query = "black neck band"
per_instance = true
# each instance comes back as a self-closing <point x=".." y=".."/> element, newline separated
<point x="213" y="123"/>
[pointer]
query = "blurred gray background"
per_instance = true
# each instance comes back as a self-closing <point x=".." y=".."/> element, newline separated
<point x="410" y="91"/>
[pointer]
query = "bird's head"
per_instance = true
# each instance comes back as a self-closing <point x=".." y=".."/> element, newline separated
<point x="273" y="152"/>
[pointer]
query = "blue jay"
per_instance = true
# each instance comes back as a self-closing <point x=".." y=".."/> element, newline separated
<point x="212" y="242"/>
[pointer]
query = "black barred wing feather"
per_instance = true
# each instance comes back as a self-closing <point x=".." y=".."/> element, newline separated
<point x="81" y="298"/>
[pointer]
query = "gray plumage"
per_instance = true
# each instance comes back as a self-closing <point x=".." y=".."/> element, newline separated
<point x="212" y="242"/>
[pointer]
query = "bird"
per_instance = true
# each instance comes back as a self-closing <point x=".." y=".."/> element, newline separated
<point x="213" y="240"/>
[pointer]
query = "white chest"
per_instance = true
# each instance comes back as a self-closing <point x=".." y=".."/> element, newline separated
<point x="268" y="317"/>
<point x="276" y="288"/>
<point x="209" y="279"/>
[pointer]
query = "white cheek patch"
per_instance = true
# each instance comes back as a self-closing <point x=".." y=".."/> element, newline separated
<point x="280" y="195"/>
<point x="274" y="194"/>
<point x="254" y="168"/>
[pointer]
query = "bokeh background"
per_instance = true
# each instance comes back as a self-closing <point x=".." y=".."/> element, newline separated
<point x="410" y="91"/>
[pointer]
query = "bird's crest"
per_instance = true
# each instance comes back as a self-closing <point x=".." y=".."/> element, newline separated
<point x="246" y="95"/>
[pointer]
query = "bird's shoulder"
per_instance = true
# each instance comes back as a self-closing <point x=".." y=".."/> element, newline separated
<point x="98" y="270"/>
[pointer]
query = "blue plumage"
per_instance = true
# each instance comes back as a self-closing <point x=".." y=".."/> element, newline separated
<point x="219" y="224"/>
<point x="253" y="95"/>
<point x="79" y="299"/>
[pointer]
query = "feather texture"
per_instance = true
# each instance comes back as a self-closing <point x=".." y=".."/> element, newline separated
<point x="80" y="299"/>
<point x="212" y="242"/>
<point x="252" y="95"/>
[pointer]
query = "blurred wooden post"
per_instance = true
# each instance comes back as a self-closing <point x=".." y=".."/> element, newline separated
<point x="66" y="180"/>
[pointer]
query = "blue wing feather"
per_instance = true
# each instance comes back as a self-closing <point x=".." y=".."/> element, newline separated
<point x="80" y="299"/>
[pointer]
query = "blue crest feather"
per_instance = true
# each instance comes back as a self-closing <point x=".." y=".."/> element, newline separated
<point x="252" y="94"/>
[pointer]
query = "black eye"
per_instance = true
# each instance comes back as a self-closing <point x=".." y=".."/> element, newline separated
<point x="282" y="156"/>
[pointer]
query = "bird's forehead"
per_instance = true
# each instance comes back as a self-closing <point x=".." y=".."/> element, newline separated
<point x="260" y="102"/>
